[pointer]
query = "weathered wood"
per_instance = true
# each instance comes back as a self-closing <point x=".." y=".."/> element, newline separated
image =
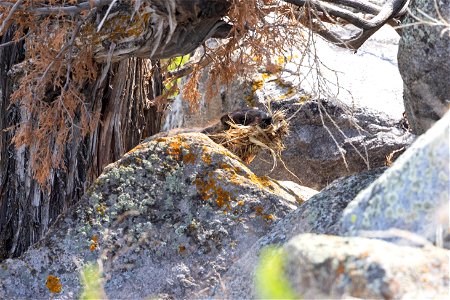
<point x="126" y="117"/>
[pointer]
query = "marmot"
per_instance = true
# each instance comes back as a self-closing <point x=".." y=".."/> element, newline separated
<point x="246" y="117"/>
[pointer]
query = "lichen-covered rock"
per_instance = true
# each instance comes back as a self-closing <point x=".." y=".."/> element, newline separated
<point x="320" y="214"/>
<point x="410" y="194"/>
<point x="166" y="220"/>
<point x="327" y="267"/>
<point x="424" y="64"/>
<point x="320" y="135"/>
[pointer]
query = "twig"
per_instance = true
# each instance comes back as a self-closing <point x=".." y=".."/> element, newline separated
<point x="73" y="9"/>
<point x="10" y="14"/>
<point x="106" y="15"/>
<point x="14" y="42"/>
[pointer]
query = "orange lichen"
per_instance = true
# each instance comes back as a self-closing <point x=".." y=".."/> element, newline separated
<point x="176" y="146"/>
<point x="94" y="243"/>
<point x="53" y="283"/>
<point x="189" y="158"/>
<point x="138" y="147"/>
<point x="223" y="197"/>
<point x="160" y="140"/>
<point x="224" y="166"/>
<point x="210" y="190"/>
<point x="240" y="203"/>
<point x="340" y="269"/>
<point x="95" y="238"/>
<point x="93" y="247"/>
<point x="181" y="249"/>
<point x="259" y="210"/>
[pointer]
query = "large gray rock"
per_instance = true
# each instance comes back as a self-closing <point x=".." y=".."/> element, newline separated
<point x="424" y="64"/>
<point x="330" y="267"/>
<point x="320" y="214"/>
<point x="322" y="133"/>
<point x="166" y="220"/>
<point x="411" y="194"/>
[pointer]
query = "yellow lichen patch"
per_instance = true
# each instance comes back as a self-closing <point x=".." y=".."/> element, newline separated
<point x="304" y="98"/>
<point x="241" y="203"/>
<point x="181" y="249"/>
<point x="120" y="27"/>
<point x="262" y="182"/>
<point x="265" y="76"/>
<point x="269" y="217"/>
<point x="280" y="60"/>
<point x="101" y="209"/>
<point x="257" y="84"/>
<point x="189" y="158"/>
<point x="238" y="177"/>
<point x="53" y="284"/>
<point x="257" y="58"/>
<point x="206" y="158"/>
<point x="290" y="92"/>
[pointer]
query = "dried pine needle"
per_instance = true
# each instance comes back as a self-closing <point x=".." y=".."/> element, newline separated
<point x="247" y="141"/>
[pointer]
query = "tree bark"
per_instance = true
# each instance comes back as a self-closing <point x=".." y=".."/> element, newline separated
<point x="126" y="117"/>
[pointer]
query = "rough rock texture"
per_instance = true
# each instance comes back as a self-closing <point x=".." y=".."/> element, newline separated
<point x="167" y="219"/>
<point x="320" y="266"/>
<point x="209" y="109"/>
<point x="320" y="214"/>
<point x="314" y="155"/>
<point x="424" y="64"/>
<point x="410" y="194"/>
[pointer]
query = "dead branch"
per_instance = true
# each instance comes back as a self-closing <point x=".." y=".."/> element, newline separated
<point x="390" y="10"/>
<point x="49" y="10"/>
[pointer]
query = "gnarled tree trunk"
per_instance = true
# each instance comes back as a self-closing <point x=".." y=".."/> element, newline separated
<point x="126" y="117"/>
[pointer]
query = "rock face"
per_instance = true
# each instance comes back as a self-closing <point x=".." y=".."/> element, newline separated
<point x="409" y="195"/>
<point x="424" y="65"/>
<point x="209" y="109"/>
<point x="167" y="219"/>
<point x="320" y="266"/>
<point x="321" y="134"/>
<point x="320" y="214"/>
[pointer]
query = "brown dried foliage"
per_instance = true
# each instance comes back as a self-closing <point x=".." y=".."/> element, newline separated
<point x="50" y="86"/>
<point x="59" y="64"/>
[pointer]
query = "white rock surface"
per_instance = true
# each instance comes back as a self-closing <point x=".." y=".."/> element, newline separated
<point x="368" y="78"/>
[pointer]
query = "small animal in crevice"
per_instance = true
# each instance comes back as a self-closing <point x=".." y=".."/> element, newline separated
<point x="246" y="117"/>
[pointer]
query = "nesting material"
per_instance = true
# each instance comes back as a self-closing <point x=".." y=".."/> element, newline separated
<point x="247" y="141"/>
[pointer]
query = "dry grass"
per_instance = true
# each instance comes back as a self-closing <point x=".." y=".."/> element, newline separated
<point x="247" y="141"/>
